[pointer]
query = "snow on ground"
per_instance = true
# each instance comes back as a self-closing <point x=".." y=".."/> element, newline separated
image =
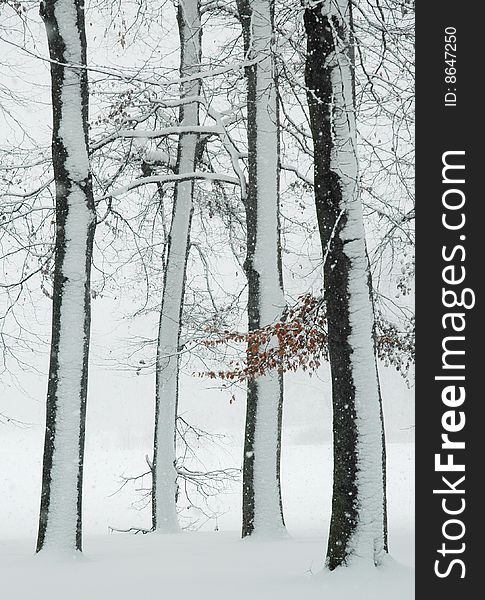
<point x="215" y="566"/>
<point x="206" y="564"/>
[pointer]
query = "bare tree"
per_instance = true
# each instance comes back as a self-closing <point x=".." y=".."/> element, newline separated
<point x="262" y="507"/>
<point x="167" y="369"/>
<point x="357" y="528"/>
<point x="60" y="522"/>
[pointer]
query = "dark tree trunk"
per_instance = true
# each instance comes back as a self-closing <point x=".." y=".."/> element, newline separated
<point x="258" y="16"/>
<point x="60" y="522"/>
<point x="358" y="518"/>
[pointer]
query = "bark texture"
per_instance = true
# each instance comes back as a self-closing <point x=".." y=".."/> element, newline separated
<point x="60" y="522"/>
<point x="262" y="507"/>
<point x="358" y="522"/>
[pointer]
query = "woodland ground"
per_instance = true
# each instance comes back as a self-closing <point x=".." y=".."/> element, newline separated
<point x="204" y="564"/>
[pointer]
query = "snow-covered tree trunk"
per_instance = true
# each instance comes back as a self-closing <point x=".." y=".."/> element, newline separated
<point x="60" y="511"/>
<point x="370" y="285"/>
<point x="357" y="527"/>
<point x="164" y="506"/>
<point x="262" y="508"/>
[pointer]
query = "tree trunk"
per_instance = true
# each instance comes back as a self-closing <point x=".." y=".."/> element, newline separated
<point x="164" y="506"/>
<point x="379" y="391"/>
<point x="262" y="508"/>
<point x="357" y="527"/>
<point x="60" y="511"/>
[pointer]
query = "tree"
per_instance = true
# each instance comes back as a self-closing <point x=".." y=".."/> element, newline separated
<point x="262" y="507"/>
<point x="60" y="522"/>
<point x="164" y="513"/>
<point x="357" y="527"/>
